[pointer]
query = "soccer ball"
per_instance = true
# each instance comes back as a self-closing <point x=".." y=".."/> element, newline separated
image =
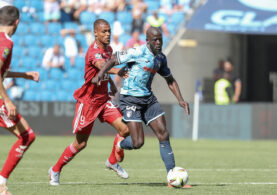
<point x="177" y="177"/>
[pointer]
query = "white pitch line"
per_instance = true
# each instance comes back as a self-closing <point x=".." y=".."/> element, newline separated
<point x="188" y="169"/>
<point x="132" y="183"/>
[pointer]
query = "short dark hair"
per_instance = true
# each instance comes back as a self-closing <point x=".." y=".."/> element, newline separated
<point x="98" y="22"/>
<point x="8" y="15"/>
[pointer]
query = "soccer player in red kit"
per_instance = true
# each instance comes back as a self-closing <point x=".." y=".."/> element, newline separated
<point x="94" y="102"/>
<point x="9" y="118"/>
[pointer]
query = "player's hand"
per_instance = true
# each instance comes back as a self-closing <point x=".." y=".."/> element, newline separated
<point x="113" y="90"/>
<point x="96" y="80"/>
<point x="123" y="72"/>
<point x="185" y="105"/>
<point x="12" y="111"/>
<point x="33" y="76"/>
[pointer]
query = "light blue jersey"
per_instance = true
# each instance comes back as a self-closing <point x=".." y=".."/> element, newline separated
<point x="142" y="65"/>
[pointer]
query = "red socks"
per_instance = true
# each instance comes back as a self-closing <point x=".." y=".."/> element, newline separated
<point x="112" y="158"/>
<point x="69" y="152"/>
<point x="25" y="139"/>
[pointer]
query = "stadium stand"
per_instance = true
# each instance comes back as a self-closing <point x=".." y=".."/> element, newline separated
<point x="34" y="36"/>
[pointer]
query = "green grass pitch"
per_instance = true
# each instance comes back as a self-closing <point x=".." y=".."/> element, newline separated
<point x="214" y="167"/>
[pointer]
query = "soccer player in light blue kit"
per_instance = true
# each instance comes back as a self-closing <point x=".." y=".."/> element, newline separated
<point x="137" y="102"/>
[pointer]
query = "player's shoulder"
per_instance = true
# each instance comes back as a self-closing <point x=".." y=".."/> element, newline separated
<point x="5" y="40"/>
<point x="161" y="56"/>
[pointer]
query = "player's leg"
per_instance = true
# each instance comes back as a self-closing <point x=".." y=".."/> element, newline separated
<point x="82" y="126"/>
<point x="154" y="117"/>
<point x="25" y="136"/>
<point x="112" y="115"/>
<point x="68" y="154"/>
<point x="159" y="128"/>
<point x="132" y="109"/>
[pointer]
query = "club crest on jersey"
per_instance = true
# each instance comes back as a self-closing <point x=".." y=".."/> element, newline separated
<point x="129" y="113"/>
<point x="6" y="52"/>
<point x="98" y="56"/>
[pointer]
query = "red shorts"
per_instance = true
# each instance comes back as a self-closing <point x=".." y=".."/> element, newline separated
<point x="85" y="116"/>
<point x="4" y="119"/>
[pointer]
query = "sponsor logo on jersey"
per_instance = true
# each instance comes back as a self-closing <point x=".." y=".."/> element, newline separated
<point x="6" y="53"/>
<point x="124" y="52"/>
<point x="133" y="108"/>
<point x="129" y="113"/>
<point x="153" y="71"/>
<point x="98" y="56"/>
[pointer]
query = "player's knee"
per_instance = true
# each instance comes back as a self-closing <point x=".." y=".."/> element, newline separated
<point x="124" y="132"/>
<point x="138" y="144"/>
<point x="81" y="146"/>
<point x="163" y="135"/>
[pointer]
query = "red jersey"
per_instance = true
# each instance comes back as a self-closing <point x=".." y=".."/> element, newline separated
<point x="6" y="46"/>
<point x="90" y="93"/>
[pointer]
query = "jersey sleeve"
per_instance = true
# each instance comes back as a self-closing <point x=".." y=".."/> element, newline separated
<point x="164" y="70"/>
<point x="129" y="55"/>
<point x="95" y="56"/>
<point x="5" y="51"/>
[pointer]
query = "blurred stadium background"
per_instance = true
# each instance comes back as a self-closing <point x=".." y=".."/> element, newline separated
<point x="200" y="33"/>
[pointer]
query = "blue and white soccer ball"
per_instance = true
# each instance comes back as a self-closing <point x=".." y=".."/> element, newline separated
<point x="177" y="177"/>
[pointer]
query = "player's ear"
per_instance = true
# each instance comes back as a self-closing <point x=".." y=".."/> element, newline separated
<point x="16" y="22"/>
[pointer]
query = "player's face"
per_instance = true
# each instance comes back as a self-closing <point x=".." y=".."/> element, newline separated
<point x="155" y="42"/>
<point x="15" y="26"/>
<point x="103" y="34"/>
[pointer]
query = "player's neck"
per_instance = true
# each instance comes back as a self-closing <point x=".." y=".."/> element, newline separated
<point x="7" y="29"/>
<point x="101" y="45"/>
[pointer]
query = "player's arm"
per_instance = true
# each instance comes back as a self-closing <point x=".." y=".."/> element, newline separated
<point x="112" y="87"/>
<point x="26" y="75"/>
<point x="12" y="111"/>
<point x="101" y="63"/>
<point x="237" y="90"/>
<point x="174" y="87"/>
<point x="106" y="67"/>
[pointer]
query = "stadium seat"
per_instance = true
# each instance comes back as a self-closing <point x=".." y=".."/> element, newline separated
<point x="46" y="41"/>
<point x="109" y="16"/>
<point x="15" y="64"/>
<point x="62" y="96"/>
<point x="18" y="51"/>
<point x="43" y="74"/>
<point x="164" y="15"/>
<point x="124" y="38"/>
<point x="19" y="4"/>
<point x="124" y="17"/>
<point x="71" y="25"/>
<point x="87" y="18"/>
<point x="34" y="52"/>
<point x="40" y="16"/>
<point x="47" y="96"/>
<point x="32" y="85"/>
<point x="177" y="18"/>
<point x="28" y="63"/>
<point x="37" y="4"/>
<point x="21" y="82"/>
<point x="22" y="28"/>
<point x="172" y="28"/>
<point x="31" y="40"/>
<point x="152" y="5"/>
<point x="80" y="63"/>
<point x="37" y="28"/>
<point x="75" y="74"/>
<point x="51" y="85"/>
<point x="26" y="17"/>
<point x="56" y="74"/>
<point x="54" y="28"/>
<point x="30" y="95"/>
<point x="82" y="39"/>
<point x="67" y="85"/>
